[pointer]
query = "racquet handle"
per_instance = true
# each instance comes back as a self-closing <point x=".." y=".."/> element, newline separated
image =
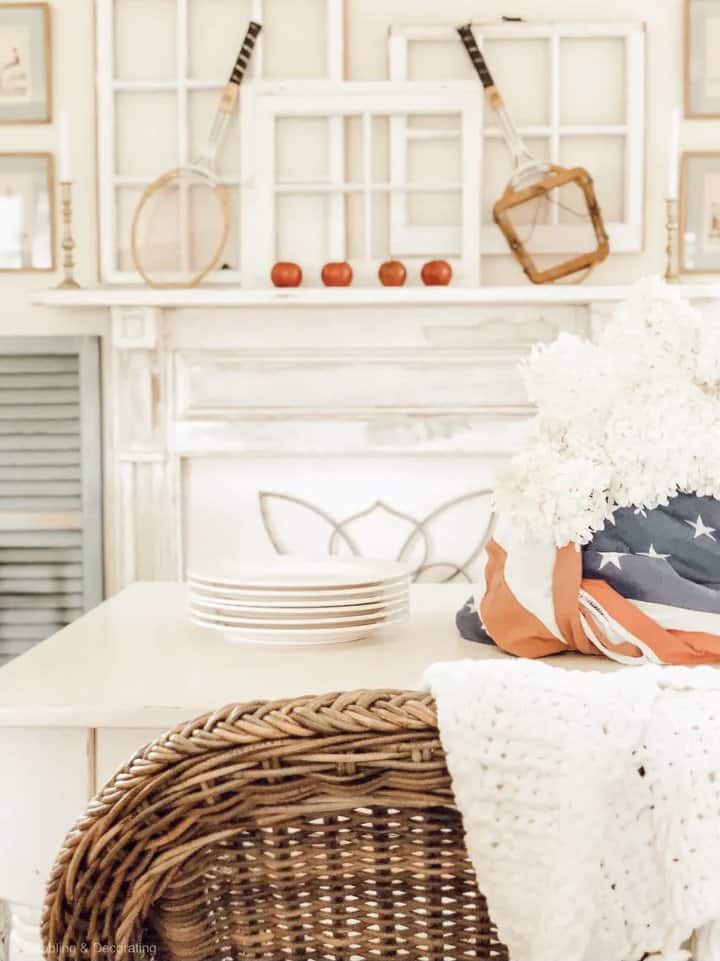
<point x="468" y="38"/>
<point x="243" y="59"/>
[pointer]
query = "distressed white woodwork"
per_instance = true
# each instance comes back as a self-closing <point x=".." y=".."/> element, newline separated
<point x="47" y="767"/>
<point x="411" y="296"/>
<point x="207" y="416"/>
<point x="47" y="775"/>
<point x="213" y="397"/>
<point x="626" y="234"/>
<point x="135" y="328"/>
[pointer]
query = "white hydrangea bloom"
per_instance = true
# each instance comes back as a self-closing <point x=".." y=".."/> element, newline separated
<point x="629" y="420"/>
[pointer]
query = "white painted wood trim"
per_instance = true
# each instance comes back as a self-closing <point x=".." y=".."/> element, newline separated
<point x="216" y="296"/>
<point x="337" y="225"/>
<point x="105" y="61"/>
<point x="529" y="30"/>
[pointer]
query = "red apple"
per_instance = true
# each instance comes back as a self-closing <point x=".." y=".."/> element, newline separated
<point x="437" y="273"/>
<point x="392" y="273"/>
<point x="286" y="274"/>
<point x="337" y="274"/>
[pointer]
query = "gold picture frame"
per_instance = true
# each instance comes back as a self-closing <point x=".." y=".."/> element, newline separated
<point x="26" y="88"/>
<point x="702" y="87"/>
<point x="28" y="231"/>
<point x="699" y="214"/>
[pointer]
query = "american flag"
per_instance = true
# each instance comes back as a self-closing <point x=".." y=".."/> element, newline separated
<point x="646" y="588"/>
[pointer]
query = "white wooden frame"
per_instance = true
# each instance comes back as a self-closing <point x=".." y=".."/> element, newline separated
<point x="181" y="85"/>
<point x="626" y="236"/>
<point x="264" y="103"/>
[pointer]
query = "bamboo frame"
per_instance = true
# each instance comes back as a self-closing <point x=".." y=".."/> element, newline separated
<point x="556" y="178"/>
<point x="50" y="161"/>
<point x="682" y="219"/>
<point x="47" y="32"/>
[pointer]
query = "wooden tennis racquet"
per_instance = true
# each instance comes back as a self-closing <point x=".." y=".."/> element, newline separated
<point x="163" y="252"/>
<point x="533" y="181"/>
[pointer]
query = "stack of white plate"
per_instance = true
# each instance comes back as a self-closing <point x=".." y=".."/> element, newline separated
<point x="290" y="600"/>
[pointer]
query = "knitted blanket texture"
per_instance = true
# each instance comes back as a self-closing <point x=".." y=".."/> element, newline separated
<point x="591" y="804"/>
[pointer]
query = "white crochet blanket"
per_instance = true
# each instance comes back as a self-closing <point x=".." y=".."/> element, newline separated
<point x="591" y="805"/>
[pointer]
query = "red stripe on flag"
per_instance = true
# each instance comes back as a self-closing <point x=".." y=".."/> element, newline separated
<point x="513" y="628"/>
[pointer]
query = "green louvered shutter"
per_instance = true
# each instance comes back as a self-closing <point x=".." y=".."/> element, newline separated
<point x="50" y="514"/>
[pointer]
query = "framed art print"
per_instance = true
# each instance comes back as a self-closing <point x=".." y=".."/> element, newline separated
<point x="702" y="58"/>
<point x="700" y="213"/>
<point x="25" y="63"/>
<point x="27" y="212"/>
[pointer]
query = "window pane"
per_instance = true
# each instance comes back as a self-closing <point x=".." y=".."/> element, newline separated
<point x="216" y="29"/>
<point x="145" y="40"/>
<point x="435" y="209"/>
<point x="604" y="158"/>
<point x="145" y="134"/>
<point x="434" y="161"/>
<point x="126" y="201"/>
<point x="293" y="53"/>
<point x="301" y="222"/>
<point x="592" y="81"/>
<point x="302" y="148"/>
<point x="438" y="60"/>
<point x="202" y="105"/>
<point x="522" y="71"/>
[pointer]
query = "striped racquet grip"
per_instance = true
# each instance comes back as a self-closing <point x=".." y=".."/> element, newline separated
<point x="468" y="38"/>
<point x="243" y="59"/>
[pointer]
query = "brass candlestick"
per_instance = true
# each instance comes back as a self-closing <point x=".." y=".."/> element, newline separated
<point x="68" y="241"/>
<point x="671" y="249"/>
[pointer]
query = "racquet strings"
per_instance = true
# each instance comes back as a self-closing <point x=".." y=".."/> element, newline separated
<point x="565" y="206"/>
<point x="182" y="226"/>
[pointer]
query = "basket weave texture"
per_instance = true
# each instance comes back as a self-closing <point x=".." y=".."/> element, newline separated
<point x="315" y="829"/>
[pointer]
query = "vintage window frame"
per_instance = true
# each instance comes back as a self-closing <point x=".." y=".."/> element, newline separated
<point x="109" y="183"/>
<point x="265" y="102"/>
<point x="627" y="236"/>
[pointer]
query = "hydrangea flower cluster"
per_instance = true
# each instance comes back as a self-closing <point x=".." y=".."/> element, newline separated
<point x="630" y="419"/>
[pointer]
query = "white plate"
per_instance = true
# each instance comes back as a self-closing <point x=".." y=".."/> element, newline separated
<point x="323" y="606"/>
<point x="302" y="574"/>
<point x="311" y="622"/>
<point x="295" y="639"/>
<point x="303" y="599"/>
<point x="284" y="616"/>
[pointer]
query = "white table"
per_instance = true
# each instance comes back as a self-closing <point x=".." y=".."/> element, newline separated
<point x="76" y="707"/>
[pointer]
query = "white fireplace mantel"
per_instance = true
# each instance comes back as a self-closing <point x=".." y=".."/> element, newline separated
<point x="230" y="296"/>
<point x="367" y="419"/>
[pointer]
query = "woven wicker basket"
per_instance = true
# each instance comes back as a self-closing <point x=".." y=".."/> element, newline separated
<point x="318" y="829"/>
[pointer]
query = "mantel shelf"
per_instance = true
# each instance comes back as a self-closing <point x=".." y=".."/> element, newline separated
<point x="216" y="296"/>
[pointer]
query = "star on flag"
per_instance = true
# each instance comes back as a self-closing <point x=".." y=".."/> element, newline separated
<point x="611" y="557"/>
<point x="653" y="553"/>
<point x="701" y="530"/>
